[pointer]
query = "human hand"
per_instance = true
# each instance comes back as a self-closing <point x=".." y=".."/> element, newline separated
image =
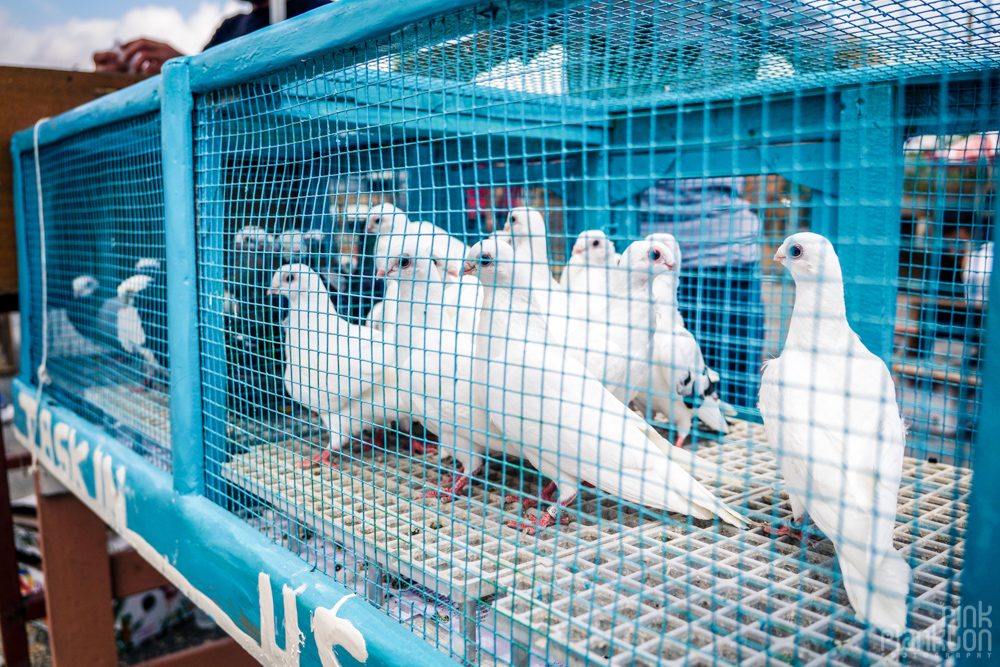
<point x="144" y="56"/>
<point x="109" y="61"/>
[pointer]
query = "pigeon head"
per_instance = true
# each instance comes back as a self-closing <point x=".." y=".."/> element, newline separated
<point x="408" y="266"/>
<point x="647" y="257"/>
<point x="252" y="239"/>
<point x="148" y="265"/>
<point x="132" y="286"/>
<point x="84" y="286"/>
<point x="809" y="257"/>
<point x="382" y="217"/>
<point x="595" y="247"/>
<point x="670" y="242"/>
<point x="492" y="261"/>
<point x="292" y="281"/>
<point x="525" y="221"/>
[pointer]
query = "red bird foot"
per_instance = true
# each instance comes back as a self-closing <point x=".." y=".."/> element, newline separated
<point x="323" y="458"/>
<point x="377" y="441"/>
<point x="547" y="495"/>
<point x="797" y="532"/>
<point x="448" y="494"/>
<point x="544" y="520"/>
<point x="679" y="442"/>
<point x="421" y="447"/>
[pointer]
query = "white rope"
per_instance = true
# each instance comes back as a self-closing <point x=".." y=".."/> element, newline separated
<point x="42" y="371"/>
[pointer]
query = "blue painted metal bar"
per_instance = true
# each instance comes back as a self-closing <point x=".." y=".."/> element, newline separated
<point x="212" y="235"/>
<point x="177" y="531"/>
<point x="870" y="190"/>
<point x="23" y="278"/>
<point x="980" y="584"/>
<point x="182" y="280"/>
<point x="313" y="34"/>
<point x="136" y="100"/>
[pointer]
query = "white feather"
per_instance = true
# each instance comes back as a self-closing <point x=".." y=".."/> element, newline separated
<point x="829" y="407"/>
<point x="569" y="426"/>
<point x="343" y="371"/>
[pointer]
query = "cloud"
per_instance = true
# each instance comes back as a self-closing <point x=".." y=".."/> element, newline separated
<point x="70" y="44"/>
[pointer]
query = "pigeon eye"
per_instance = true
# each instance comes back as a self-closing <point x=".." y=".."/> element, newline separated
<point x="405" y="263"/>
<point x="486" y="260"/>
<point x="595" y="243"/>
<point x="795" y="251"/>
<point x="655" y="255"/>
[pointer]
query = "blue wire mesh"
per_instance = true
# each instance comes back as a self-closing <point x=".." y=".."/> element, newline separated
<point x="103" y="204"/>
<point x="729" y="126"/>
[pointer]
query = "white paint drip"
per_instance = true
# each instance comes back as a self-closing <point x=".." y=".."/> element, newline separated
<point x="289" y="656"/>
<point x="329" y="631"/>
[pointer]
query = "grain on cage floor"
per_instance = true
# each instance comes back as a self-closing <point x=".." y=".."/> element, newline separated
<point x="621" y="584"/>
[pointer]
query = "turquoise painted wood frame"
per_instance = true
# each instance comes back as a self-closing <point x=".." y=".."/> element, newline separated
<point x="271" y="601"/>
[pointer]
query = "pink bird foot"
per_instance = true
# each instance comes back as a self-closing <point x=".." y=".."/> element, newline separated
<point x="544" y="520"/>
<point x="421" y="447"/>
<point x="457" y="484"/>
<point x="323" y="458"/>
<point x="547" y="495"/>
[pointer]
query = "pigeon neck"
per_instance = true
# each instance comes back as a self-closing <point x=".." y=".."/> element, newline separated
<point x="534" y="248"/>
<point x="419" y="307"/>
<point x="510" y="313"/>
<point x="819" y="317"/>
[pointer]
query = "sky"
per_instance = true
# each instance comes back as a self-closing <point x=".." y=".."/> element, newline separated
<point x="64" y="33"/>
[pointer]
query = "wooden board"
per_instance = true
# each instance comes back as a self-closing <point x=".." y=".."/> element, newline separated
<point x="28" y="94"/>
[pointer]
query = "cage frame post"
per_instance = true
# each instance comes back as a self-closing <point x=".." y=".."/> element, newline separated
<point x="186" y="432"/>
<point x="980" y="585"/>
<point x="868" y="211"/>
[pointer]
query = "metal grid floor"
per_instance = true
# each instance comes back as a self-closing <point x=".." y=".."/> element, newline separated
<point x="692" y="595"/>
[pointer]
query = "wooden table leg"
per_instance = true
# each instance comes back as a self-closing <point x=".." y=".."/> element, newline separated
<point x="74" y="544"/>
<point x="12" y="632"/>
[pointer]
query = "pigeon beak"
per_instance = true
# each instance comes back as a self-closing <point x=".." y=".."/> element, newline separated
<point x="577" y="251"/>
<point x="469" y="268"/>
<point x="669" y="264"/>
<point x="380" y="274"/>
<point x="780" y="256"/>
<point x="271" y="292"/>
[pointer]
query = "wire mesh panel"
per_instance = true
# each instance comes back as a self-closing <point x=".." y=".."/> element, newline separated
<point x="484" y="305"/>
<point x="102" y="219"/>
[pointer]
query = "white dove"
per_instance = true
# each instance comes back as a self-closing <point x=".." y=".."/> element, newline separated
<point x="680" y="380"/>
<point x="526" y="231"/>
<point x="618" y="345"/>
<point x="570" y="427"/>
<point x="829" y="407"/>
<point x="435" y="366"/>
<point x="341" y="370"/>
<point x="393" y="227"/>
<point x="587" y="272"/>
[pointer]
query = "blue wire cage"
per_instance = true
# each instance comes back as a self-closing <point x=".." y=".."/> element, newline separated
<point x="173" y="208"/>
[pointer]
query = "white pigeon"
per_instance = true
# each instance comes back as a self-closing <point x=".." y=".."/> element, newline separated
<point x="618" y="345"/>
<point x="141" y="322"/>
<point x="609" y="361"/>
<point x="587" y="272"/>
<point x="393" y="227"/>
<point x="343" y="371"/>
<point x="387" y="222"/>
<point x="527" y="233"/>
<point x="435" y="365"/>
<point x="571" y="429"/>
<point x="682" y="384"/>
<point x="294" y="244"/>
<point x="829" y="407"/>
<point x="976" y="275"/>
